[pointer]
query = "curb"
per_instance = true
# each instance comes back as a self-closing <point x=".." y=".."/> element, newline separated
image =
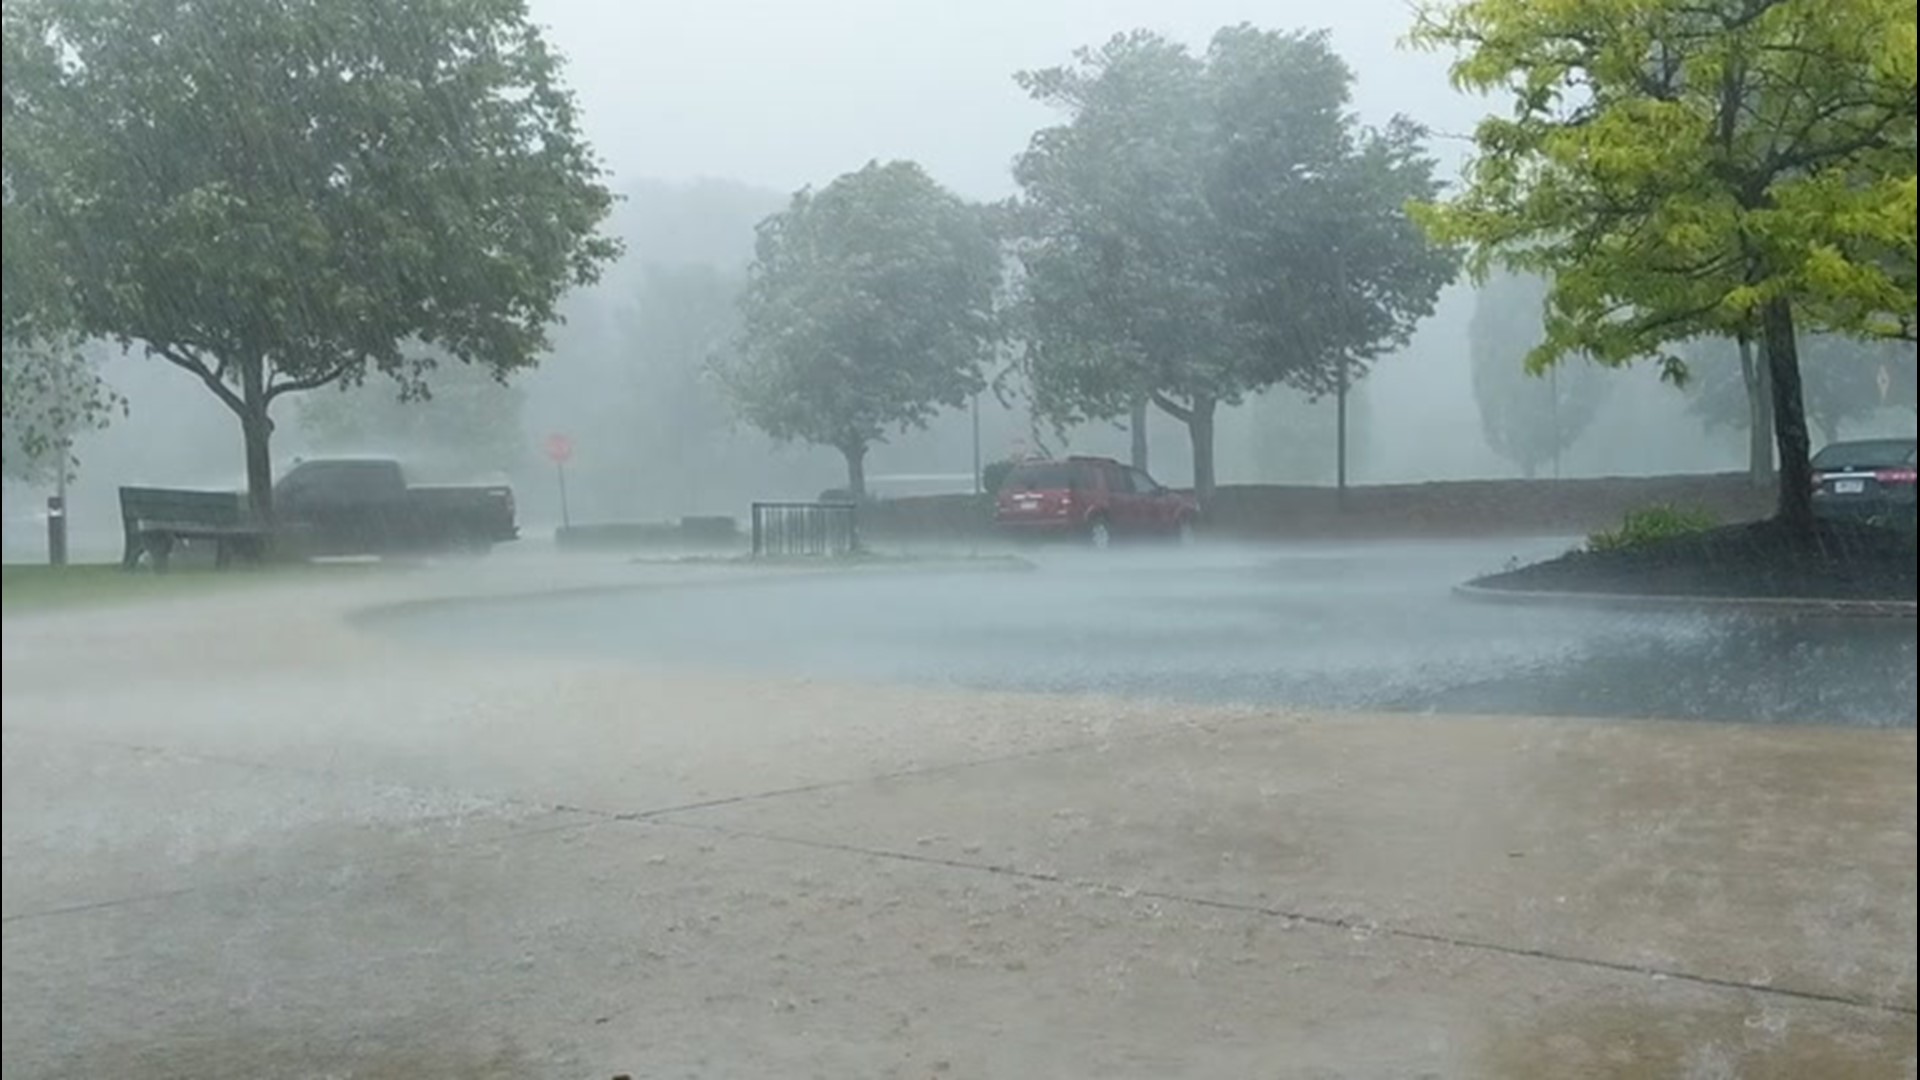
<point x="1776" y="607"/>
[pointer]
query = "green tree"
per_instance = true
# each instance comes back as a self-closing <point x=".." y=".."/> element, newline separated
<point x="51" y="389"/>
<point x="1203" y="227"/>
<point x="32" y="312"/>
<point x="869" y="307"/>
<point x="279" y="195"/>
<point x="1687" y="168"/>
<point x="1529" y="417"/>
<point x="1122" y="291"/>
<point x="52" y="393"/>
<point x="460" y="417"/>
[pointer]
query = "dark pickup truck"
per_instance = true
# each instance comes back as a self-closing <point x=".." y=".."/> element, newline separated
<point x="365" y="506"/>
<point x="329" y="506"/>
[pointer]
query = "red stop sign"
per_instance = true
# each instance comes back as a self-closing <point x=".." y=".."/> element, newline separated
<point x="559" y="449"/>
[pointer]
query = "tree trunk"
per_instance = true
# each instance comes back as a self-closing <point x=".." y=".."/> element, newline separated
<point x="1137" y="428"/>
<point x="1200" y="430"/>
<point x="256" y="427"/>
<point x="1753" y="372"/>
<point x="1789" y="417"/>
<point x="856" y="454"/>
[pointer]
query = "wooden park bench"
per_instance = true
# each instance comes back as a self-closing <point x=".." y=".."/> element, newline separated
<point x="157" y="519"/>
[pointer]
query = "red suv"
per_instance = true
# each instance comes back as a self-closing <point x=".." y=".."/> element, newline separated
<point x="1095" y="498"/>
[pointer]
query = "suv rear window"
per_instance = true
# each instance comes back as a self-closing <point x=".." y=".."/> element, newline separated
<point x="1867" y="454"/>
<point x="1050" y="477"/>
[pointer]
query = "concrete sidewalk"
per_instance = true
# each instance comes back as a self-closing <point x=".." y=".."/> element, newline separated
<point x="246" y="838"/>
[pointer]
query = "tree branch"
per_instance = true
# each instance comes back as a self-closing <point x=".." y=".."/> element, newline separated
<point x="187" y="360"/>
<point x="311" y="382"/>
<point x="1171" y="407"/>
<point x="1655" y="326"/>
<point x="1873" y="138"/>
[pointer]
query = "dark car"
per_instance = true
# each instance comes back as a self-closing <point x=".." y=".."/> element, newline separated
<point x="1096" y="499"/>
<point x="1868" y="480"/>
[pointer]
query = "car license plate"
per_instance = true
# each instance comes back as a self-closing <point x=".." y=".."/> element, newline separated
<point x="1849" y="487"/>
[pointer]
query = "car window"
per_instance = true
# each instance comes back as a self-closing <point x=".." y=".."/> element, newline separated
<point x="1048" y="477"/>
<point x="351" y="479"/>
<point x="1143" y="483"/>
<point x="1119" y="481"/>
<point x="1866" y="454"/>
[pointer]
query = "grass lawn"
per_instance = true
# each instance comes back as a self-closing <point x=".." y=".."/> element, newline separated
<point x="26" y="587"/>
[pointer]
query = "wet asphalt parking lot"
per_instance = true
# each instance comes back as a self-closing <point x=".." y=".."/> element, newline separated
<point x="1361" y="626"/>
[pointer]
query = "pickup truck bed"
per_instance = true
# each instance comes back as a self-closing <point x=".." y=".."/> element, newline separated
<point x="342" y="506"/>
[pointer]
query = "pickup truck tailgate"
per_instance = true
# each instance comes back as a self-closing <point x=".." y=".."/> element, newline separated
<point x="484" y="509"/>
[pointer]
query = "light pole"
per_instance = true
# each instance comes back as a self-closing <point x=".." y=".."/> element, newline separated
<point x="977" y="484"/>
<point x="57" y="513"/>
<point x="1553" y="388"/>
<point x="1340" y="381"/>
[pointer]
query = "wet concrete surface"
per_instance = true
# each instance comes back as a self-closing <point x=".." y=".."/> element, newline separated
<point x="256" y="836"/>
<point x="1367" y="626"/>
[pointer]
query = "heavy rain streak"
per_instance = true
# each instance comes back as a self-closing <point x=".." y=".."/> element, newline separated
<point x="582" y="539"/>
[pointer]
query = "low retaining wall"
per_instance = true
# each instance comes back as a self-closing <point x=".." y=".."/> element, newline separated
<point x="691" y="533"/>
<point x="1443" y="509"/>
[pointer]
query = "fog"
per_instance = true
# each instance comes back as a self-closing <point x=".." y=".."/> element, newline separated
<point x="709" y="115"/>
<point x="1201" y="787"/>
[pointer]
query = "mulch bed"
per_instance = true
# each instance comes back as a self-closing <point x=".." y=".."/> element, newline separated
<point x="1840" y="561"/>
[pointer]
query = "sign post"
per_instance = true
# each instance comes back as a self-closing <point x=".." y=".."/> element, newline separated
<point x="560" y="451"/>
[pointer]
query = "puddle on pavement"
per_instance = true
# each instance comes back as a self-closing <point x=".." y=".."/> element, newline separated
<point x="294" y="1053"/>
<point x="1766" y="1041"/>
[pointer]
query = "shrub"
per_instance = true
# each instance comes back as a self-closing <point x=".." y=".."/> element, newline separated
<point x="1650" y="526"/>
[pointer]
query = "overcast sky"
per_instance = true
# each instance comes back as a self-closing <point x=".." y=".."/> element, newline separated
<point x="786" y="94"/>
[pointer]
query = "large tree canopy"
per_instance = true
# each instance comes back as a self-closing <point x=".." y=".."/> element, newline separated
<point x="869" y="307"/>
<point x="1202" y="227"/>
<point x="277" y="195"/>
<point x="1679" y="168"/>
<point x="1124" y="292"/>
<point x="51" y="392"/>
